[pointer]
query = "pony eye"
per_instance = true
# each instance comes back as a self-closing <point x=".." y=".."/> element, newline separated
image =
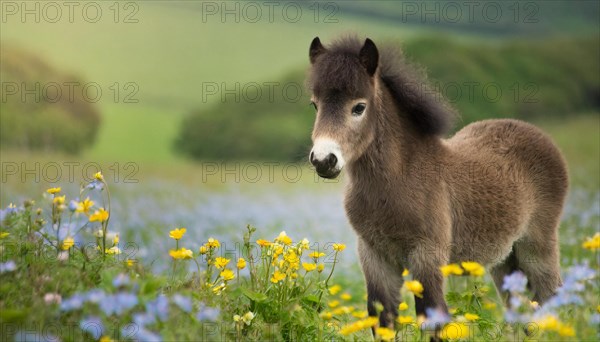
<point x="359" y="109"/>
<point x="314" y="105"/>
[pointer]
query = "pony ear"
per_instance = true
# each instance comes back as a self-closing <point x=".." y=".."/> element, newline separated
<point x="369" y="56"/>
<point x="316" y="48"/>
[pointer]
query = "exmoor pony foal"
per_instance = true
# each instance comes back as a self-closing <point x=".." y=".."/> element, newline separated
<point x="493" y="193"/>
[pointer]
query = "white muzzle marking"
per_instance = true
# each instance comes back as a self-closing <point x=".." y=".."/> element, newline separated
<point x="325" y="146"/>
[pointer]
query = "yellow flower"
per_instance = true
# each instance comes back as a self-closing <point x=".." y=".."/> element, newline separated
<point x="386" y="334"/>
<point x="304" y="244"/>
<point x="405" y="273"/>
<point x="248" y="317"/>
<point x="548" y="322"/>
<point x="116" y="250"/>
<point x="213" y="243"/>
<point x="67" y="243"/>
<point x="415" y="287"/>
<point x="334" y="290"/>
<point x="592" y="243"/>
<point x="58" y="200"/>
<point x="105" y="339"/>
<point x="278" y="251"/>
<point x="343" y="310"/>
<point x="309" y="267"/>
<point x="489" y="305"/>
<point x="4" y="234"/>
<point x="241" y="264"/>
<point x="474" y="268"/>
<point x="334" y="303"/>
<point x="566" y="331"/>
<point x="451" y="269"/>
<point x="405" y="319"/>
<point x="177" y="233"/>
<point x="284" y="239"/>
<point x="316" y="255"/>
<point x="263" y="243"/>
<point x="455" y="330"/>
<point x="221" y="262"/>
<point x="53" y="191"/>
<point x="99" y="215"/>
<point x="217" y="290"/>
<point x="338" y="247"/>
<point x="182" y="253"/>
<point x="227" y="274"/>
<point x="98" y="176"/>
<point x="130" y="262"/>
<point x="471" y="317"/>
<point x="598" y="308"/>
<point x="85" y="206"/>
<point x="320" y="268"/>
<point x="345" y="296"/>
<point x="277" y="277"/>
<point x="203" y="250"/>
<point x="291" y="257"/>
<point x="116" y="239"/>
<point x="360" y="314"/>
<point x="403" y="306"/>
<point x="325" y="315"/>
<point x="359" y="325"/>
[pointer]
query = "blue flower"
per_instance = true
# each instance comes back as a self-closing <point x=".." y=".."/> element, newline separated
<point x="143" y="319"/>
<point x="159" y="307"/>
<point x="141" y="334"/>
<point x="11" y="209"/>
<point x="95" y="296"/>
<point x="435" y="319"/>
<point x="207" y="313"/>
<point x="74" y="303"/>
<point x="73" y="205"/>
<point x="8" y="266"/>
<point x="95" y="185"/>
<point x="121" y="280"/>
<point x="93" y="326"/>
<point x="183" y="302"/>
<point x="515" y="282"/>
<point x="595" y="318"/>
<point x="513" y="317"/>
<point x="119" y="303"/>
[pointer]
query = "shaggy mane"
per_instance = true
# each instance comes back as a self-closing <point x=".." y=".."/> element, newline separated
<point x="408" y="84"/>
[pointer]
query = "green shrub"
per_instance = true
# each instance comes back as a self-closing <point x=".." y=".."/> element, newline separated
<point x="34" y="116"/>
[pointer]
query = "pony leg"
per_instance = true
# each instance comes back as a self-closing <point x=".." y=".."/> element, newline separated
<point x="540" y="263"/>
<point x="425" y="268"/>
<point x="383" y="285"/>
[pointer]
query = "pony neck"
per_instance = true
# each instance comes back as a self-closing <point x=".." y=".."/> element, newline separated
<point x="397" y="145"/>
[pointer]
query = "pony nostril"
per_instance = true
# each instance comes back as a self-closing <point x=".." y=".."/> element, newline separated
<point x="331" y="160"/>
<point x="311" y="158"/>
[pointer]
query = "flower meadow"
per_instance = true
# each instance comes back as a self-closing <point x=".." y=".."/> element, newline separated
<point x="67" y="274"/>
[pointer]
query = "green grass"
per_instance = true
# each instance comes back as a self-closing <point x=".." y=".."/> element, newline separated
<point x="579" y="140"/>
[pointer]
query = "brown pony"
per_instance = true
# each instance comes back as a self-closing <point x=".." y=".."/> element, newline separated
<point x="493" y="193"/>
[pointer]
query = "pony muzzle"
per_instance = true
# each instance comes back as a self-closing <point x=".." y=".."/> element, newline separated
<point x="326" y="157"/>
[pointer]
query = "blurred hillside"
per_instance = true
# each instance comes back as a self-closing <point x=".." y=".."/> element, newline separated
<point x="43" y="108"/>
<point x="172" y="49"/>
